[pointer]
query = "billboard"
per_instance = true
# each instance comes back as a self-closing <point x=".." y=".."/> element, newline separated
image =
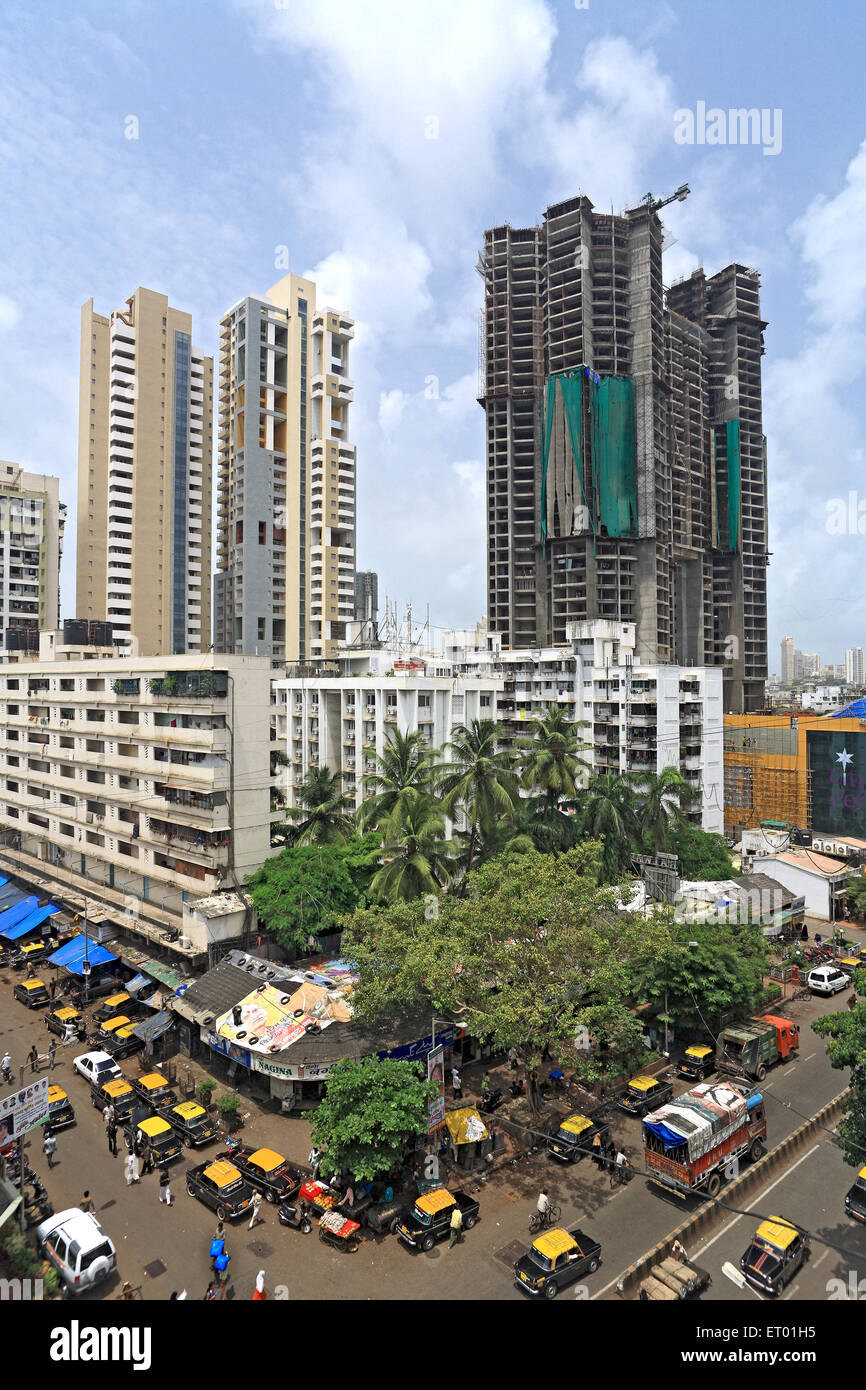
<point x="837" y="782"/>
<point x="22" y="1111"/>
<point x="436" y="1072"/>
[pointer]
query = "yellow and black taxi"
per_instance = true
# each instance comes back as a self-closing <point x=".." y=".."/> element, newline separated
<point x="220" y="1185"/>
<point x="153" y="1132"/>
<point x="429" y="1219"/>
<point x="33" y="993"/>
<point x="855" y="1197"/>
<point x="191" y="1124"/>
<point x="573" y="1140"/>
<point x="777" y="1251"/>
<point x="555" y="1260"/>
<point x="116" y="1005"/>
<point x="32" y="953"/>
<point x="267" y="1170"/>
<point x="117" y="1093"/>
<point x="59" y="1019"/>
<point x="121" y="1042"/>
<point x="60" y="1111"/>
<point x="154" y="1090"/>
<point x="697" y="1062"/>
<point x="644" y="1093"/>
<point x="109" y="1028"/>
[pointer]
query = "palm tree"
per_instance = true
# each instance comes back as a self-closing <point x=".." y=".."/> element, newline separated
<point x="324" y="815"/>
<point x="550" y="756"/>
<point x="405" y="763"/>
<point x="416" y="857"/>
<point x="608" y="814"/>
<point x="480" y="780"/>
<point x="662" y="800"/>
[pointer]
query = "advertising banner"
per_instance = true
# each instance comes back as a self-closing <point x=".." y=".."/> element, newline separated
<point x="22" y="1111"/>
<point x="436" y="1072"/>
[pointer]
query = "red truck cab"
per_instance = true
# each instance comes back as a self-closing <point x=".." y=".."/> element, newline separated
<point x="787" y="1034"/>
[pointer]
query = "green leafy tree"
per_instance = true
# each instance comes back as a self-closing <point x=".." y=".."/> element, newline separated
<point x="479" y="780"/>
<point x="702" y="855"/>
<point x="406" y="763"/>
<point x="663" y="797"/>
<point x="417" y="860"/>
<point x="846" y="1048"/>
<point x="306" y="889"/>
<point x="608" y="813"/>
<point x="701" y="982"/>
<point x="533" y="944"/>
<point x="324" y="813"/>
<point x="550" y="756"/>
<point x="369" y="1111"/>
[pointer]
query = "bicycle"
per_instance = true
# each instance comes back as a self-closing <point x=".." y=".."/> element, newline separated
<point x="541" y="1222"/>
<point x="620" y="1174"/>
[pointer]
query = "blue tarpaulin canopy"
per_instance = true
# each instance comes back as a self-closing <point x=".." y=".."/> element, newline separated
<point x="28" y="924"/>
<point x="16" y="914"/>
<point x="136" y="983"/>
<point x="10" y="894"/>
<point x="668" y="1137"/>
<point x="72" y="955"/>
<point x="153" y="1028"/>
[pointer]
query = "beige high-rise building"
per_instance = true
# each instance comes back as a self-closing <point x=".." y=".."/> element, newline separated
<point x="32" y="519"/>
<point x="787" y="674"/>
<point x="285" y="577"/>
<point x="145" y="476"/>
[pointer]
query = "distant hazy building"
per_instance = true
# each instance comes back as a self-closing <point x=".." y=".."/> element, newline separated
<point x="367" y="596"/>
<point x="32" y="519"/>
<point x="787" y="669"/>
<point x="806" y="664"/>
<point x="854" y="666"/>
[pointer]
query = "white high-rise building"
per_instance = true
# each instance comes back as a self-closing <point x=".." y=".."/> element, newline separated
<point x="32" y="520"/>
<point x="854" y="666"/>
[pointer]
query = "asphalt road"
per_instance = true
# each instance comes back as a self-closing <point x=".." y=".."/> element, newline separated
<point x="164" y="1249"/>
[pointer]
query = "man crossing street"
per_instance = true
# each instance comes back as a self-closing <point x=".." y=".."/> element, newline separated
<point x="49" y="1144"/>
<point x="456" y="1227"/>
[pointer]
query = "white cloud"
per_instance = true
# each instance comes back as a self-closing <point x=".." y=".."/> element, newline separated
<point x="10" y="314"/>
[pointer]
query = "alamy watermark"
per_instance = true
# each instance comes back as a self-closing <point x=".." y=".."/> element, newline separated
<point x="736" y="126"/>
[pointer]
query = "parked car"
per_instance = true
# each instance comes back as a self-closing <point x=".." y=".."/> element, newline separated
<point x="267" y="1170"/>
<point x="60" y="1111"/>
<point x="190" y="1121"/>
<point x="429" y="1219"/>
<point x="555" y="1260"/>
<point x="79" y="1249"/>
<point x="777" y="1251"/>
<point x="154" y="1131"/>
<point x="154" y="1090"/>
<point x="33" y="993"/>
<point x="32" y="953"/>
<point x="123" y="1042"/>
<point x="573" y="1140"/>
<point x="59" y="1019"/>
<point x="96" y="1067"/>
<point x="220" y="1185"/>
<point x="644" y="1093"/>
<point x="697" y="1062"/>
<point x="116" y="1092"/>
<point x="116" y="1005"/>
<point x="828" y="979"/>
<point x="855" y="1197"/>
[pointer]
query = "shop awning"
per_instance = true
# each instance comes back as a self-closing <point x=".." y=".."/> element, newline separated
<point x="15" y="914"/>
<point x="465" y="1125"/>
<point x="71" y="956"/>
<point x="136" y="983"/>
<point x="30" y="923"/>
<point x="153" y="1028"/>
<point x="165" y="974"/>
<point x="10" y="894"/>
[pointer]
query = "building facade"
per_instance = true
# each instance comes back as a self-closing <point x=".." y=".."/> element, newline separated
<point x="626" y="471"/>
<point x="855" y="671"/>
<point x="285" y="582"/>
<point x="145" y="452"/>
<point x="142" y="782"/>
<point x="32" y="521"/>
<point x="787" y="662"/>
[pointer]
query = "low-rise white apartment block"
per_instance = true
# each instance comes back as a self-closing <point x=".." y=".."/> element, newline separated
<point x="637" y="718"/>
<point x="142" y="782"/>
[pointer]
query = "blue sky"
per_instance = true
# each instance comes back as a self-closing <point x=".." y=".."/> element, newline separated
<point x="265" y="124"/>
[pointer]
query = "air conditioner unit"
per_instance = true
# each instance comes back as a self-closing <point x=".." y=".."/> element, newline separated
<point x="185" y="942"/>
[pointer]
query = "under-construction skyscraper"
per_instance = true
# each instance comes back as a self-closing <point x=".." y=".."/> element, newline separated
<point x="626" y="462"/>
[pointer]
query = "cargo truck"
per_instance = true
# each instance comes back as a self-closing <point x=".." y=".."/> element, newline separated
<point x="748" y="1049"/>
<point x="693" y="1143"/>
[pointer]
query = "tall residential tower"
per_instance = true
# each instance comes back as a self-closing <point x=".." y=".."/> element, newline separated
<point x="285" y="582"/>
<point x="32" y="519"/>
<point x="626" y="470"/>
<point x="145" y="454"/>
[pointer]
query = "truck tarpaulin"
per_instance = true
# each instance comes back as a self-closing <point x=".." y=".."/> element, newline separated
<point x="702" y="1119"/>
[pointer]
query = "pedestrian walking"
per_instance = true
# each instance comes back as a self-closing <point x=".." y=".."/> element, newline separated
<point x="112" y="1136"/>
<point x="165" y="1187"/>
<point x="86" y="1203"/>
<point x="138" y="1146"/>
<point x="221" y="1273"/>
<point x="52" y="989"/>
<point x="178" y="1296"/>
<point x="456" y="1084"/>
<point x="6" y="1067"/>
<point x="597" y="1151"/>
<point x="314" y="1158"/>
<point x="49" y="1144"/>
<point x="485" y="1082"/>
<point x="136" y="1168"/>
<point x="259" y="1294"/>
<point x="679" y="1252"/>
<point x="129" y="1169"/>
<point x="210" y="1292"/>
<point x="106" y="1114"/>
<point x="220" y="1232"/>
<point x="513" y="1055"/>
<point x="147" y="1160"/>
<point x="254" y="1217"/>
<point x="33" y="1058"/>
<point x="52" y="1051"/>
<point x="456" y="1227"/>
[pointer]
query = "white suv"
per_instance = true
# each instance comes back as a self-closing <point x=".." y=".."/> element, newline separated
<point x="827" y="979"/>
<point x="75" y="1243"/>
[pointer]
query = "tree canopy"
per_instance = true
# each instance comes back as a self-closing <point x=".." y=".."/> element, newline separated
<point x="702" y="855"/>
<point x="306" y="889"/>
<point x="846" y="1047"/>
<point x="369" y="1111"/>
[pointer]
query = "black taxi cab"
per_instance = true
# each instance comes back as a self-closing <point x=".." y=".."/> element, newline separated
<point x="777" y="1251"/>
<point x="109" y="1028"/>
<point x="33" y="952"/>
<point x="573" y="1139"/>
<point x="116" y="1005"/>
<point x="33" y="993"/>
<point x="155" y="1133"/>
<point x="855" y="1197"/>
<point x="429" y="1219"/>
<point x="697" y="1062"/>
<point x="191" y="1124"/>
<point x="117" y="1093"/>
<point x="221" y="1186"/>
<point x="644" y="1093"/>
<point x="154" y="1090"/>
<point x="267" y="1170"/>
<point x="58" y="1020"/>
<point x="60" y="1111"/>
<point x="122" y="1042"/>
<point x="555" y="1260"/>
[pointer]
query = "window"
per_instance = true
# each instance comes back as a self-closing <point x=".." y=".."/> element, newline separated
<point x="239" y="532"/>
<point x="261" y="629"/>
<point x="263" y="533"/>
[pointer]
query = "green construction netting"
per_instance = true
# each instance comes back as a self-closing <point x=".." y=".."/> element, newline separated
<point x="613" y="454"/>
<point x="570" y="385"/>
<point x="728" y="538"/>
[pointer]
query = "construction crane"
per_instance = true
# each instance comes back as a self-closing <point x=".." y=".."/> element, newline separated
<point x="654" y="203"/>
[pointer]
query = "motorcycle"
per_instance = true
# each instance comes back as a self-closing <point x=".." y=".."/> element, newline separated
<point x="490" y="1101"/>
<point x="38" y="1206"/>
<point x="297" y="1216"/>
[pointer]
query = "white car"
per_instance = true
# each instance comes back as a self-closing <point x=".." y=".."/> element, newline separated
<point x="827" y="979"/>
<point x="76" y="1245"/>
<point x="96" y="1067"/>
